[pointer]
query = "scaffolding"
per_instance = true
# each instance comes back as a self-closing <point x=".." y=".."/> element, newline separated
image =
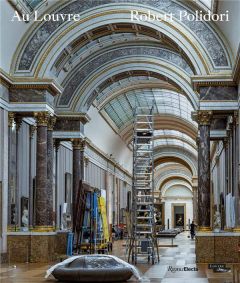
<point x="143" y="241"/>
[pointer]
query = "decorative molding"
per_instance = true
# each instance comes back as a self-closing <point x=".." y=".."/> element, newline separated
<point x="81" y="74"/>
<point x="29" y="83"/>
<point x="212" y="80"/>
<point x="83" y="117"/>
<point x="11" y="119"/>
<point x="51" y="122"/>
<point x="23" y="7"/>
<point x="18" y="122"/>
<point x="77" y="144"/>
<point x="42" y="118"/>
<point x="202" y="117"/>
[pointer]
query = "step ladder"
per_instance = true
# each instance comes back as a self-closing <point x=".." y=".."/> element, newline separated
<point x="143" y="242"/>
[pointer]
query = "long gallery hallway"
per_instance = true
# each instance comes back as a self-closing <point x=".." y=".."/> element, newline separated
<point x="120" y="118"/>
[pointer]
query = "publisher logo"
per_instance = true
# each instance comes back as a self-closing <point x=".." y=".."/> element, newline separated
<point x="174" y="269"/>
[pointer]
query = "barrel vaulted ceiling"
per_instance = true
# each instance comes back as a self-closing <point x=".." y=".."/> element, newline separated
<point x="113" y="63"/>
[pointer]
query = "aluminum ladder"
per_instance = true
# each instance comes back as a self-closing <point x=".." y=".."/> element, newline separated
<point x="143" y="242"/>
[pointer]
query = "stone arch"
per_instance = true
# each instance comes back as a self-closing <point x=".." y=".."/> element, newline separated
<point x="43" y="39"/>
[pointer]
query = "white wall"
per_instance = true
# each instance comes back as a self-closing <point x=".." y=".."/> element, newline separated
<point x="231" y="29"/>
<point x="102" y="135"/>
<point x="11" y="33"/>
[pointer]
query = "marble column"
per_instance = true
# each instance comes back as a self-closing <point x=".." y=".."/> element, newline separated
<point x="41" y="211"/>
<point x="76" y="144"/>
<point x="51" y="123"/>
<point x="204" y="215"/>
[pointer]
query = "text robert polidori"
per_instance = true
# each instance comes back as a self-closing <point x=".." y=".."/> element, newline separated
<point x="182" y="16"/>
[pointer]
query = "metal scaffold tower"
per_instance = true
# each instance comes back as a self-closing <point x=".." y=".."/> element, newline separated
<point x="143" y="242"/>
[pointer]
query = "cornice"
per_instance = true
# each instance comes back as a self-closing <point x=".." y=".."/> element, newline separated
<point x="83" y="117"/>
<point x="212" y="80"/>
<point x="29" y="83"/>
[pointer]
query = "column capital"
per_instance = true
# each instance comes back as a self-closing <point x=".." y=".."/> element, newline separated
<point x="83" y="145"/>
<point x="18" y="122"/>
<point x="204" y="117"/>
<point x="78" y="144"/>
<point x="51" y="122"/>
<point x="11" y="117"/>
<point x="42" y="118"/>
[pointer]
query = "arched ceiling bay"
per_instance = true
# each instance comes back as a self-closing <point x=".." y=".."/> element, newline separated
<point x="120" y="110"/>
<point x="41" y="37"/>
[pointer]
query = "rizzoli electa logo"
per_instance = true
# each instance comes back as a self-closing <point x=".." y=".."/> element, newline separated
<point x="185" y="268"/>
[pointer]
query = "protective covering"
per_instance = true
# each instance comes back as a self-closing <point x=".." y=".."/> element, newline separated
<point x="93" y="268"/>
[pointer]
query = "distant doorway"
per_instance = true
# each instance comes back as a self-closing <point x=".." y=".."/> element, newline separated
<point x="179" y="216"/>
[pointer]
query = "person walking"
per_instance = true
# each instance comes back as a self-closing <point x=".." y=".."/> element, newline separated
<point x="192" y="229"/>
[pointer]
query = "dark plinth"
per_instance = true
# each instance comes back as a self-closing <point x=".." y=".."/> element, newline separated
<point x="35" y="246"/>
